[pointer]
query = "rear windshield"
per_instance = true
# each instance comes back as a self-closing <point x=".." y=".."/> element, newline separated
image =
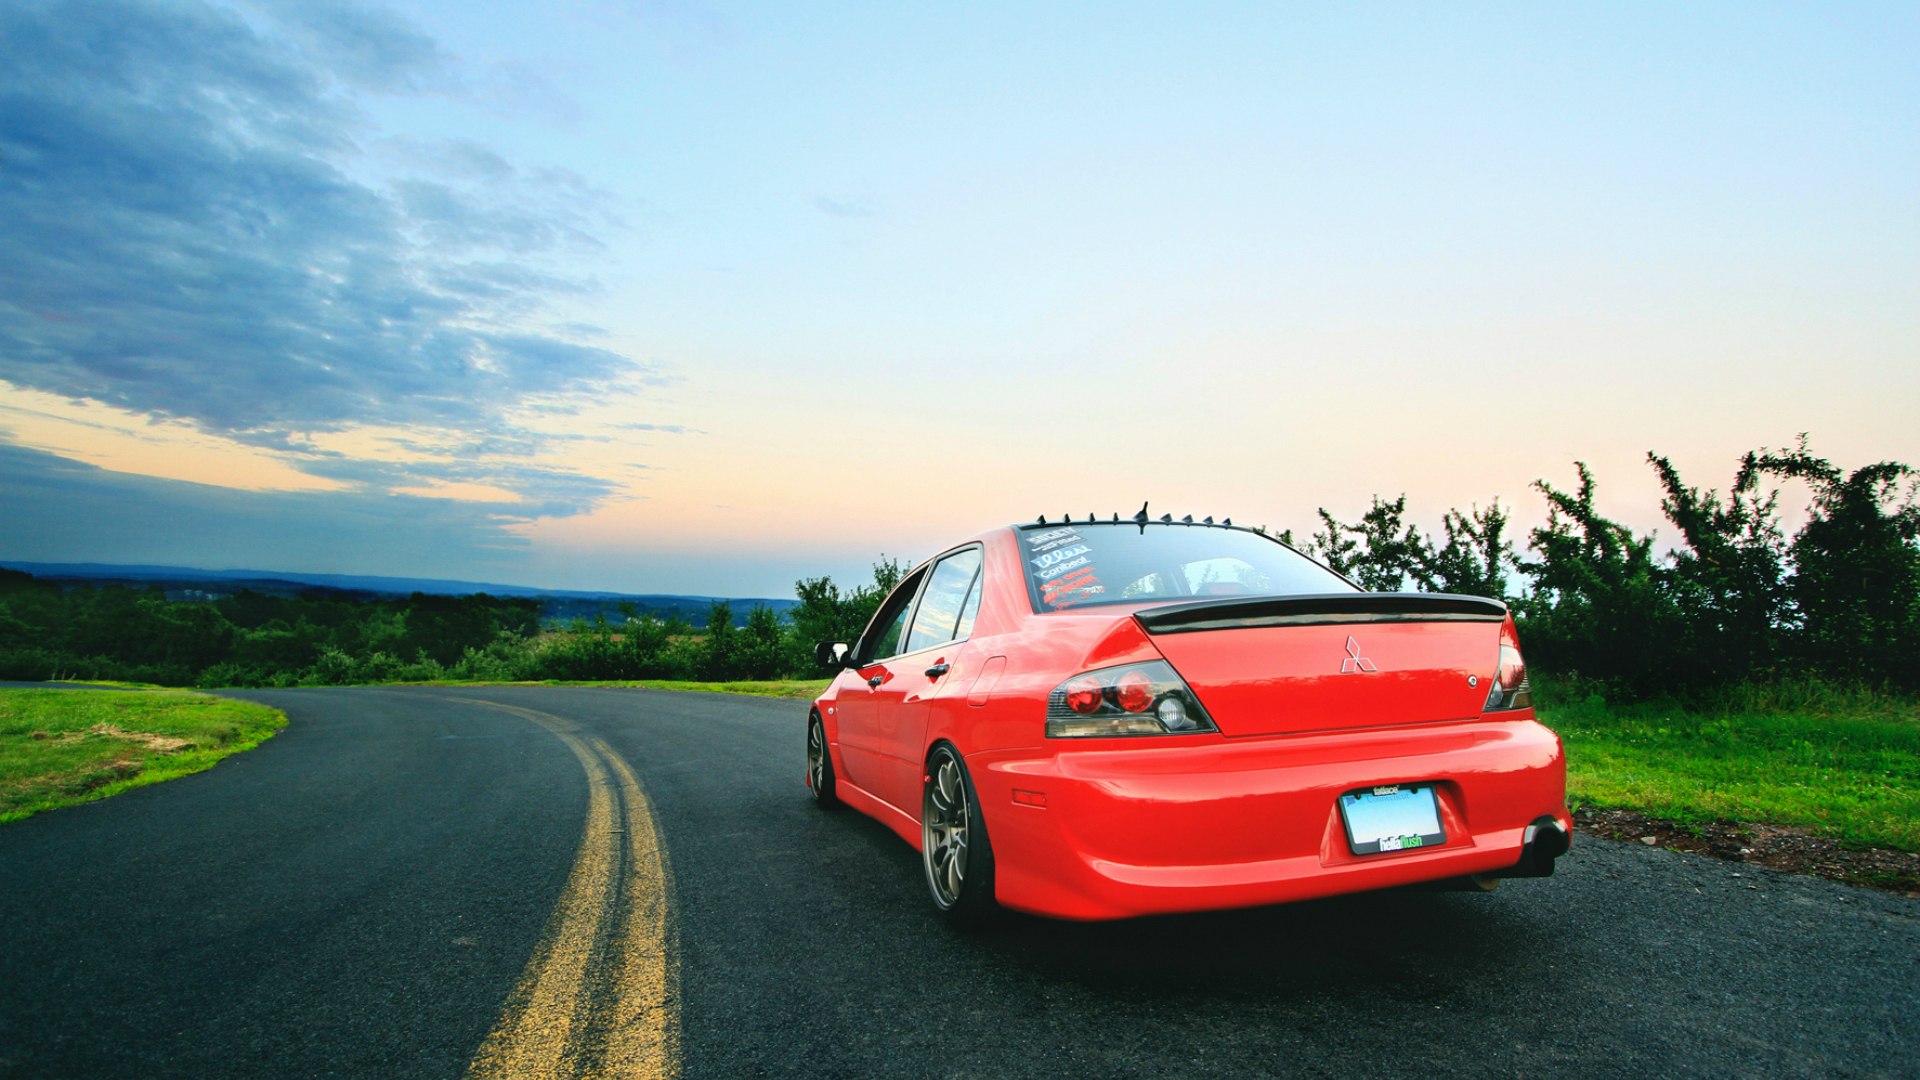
<point x="1073" y="566"/>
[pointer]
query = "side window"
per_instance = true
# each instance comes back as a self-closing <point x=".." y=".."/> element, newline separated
<point x="890" y="623"/>
<point x="941" y="608"/>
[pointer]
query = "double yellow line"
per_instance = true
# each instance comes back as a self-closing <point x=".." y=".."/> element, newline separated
<point x="599" y="998"/>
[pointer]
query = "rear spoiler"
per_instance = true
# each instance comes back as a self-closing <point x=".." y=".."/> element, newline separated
<point x="1318" y="609"/>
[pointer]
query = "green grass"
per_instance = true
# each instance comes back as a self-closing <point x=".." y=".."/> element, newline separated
<point x="797" y="689"/>
<point x="1839" y="763"/>
<point x="60" y="747"/>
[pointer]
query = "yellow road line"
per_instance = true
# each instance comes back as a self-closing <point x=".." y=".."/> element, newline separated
<point x="598" y="996"/>
<point x="642" y="1035"/>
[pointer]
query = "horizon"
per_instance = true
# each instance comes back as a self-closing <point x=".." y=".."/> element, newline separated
<point x="235" y="574"/>
<point x="701" y="299"/>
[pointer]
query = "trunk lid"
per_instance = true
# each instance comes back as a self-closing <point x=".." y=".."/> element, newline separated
<point x="1279" y="665"/>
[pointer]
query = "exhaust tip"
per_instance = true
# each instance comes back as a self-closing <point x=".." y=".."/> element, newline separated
<point x="1544" y="841"/>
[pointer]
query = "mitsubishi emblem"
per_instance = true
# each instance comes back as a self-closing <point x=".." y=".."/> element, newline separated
<point x="1354" y="661"/>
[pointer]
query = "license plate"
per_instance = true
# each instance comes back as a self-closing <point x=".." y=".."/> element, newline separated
<point x="1393" y="817"/>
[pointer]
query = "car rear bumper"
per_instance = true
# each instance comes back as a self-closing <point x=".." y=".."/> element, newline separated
<point x="1129" y="827"/>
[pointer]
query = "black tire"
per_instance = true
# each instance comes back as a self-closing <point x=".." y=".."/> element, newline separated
<point x="955" y="853"/>
<point x="820" y="765"/>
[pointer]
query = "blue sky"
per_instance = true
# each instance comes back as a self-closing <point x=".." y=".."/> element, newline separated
<point x="701" y="298"/>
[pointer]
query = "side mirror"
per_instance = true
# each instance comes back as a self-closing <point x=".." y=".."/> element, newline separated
<point x="833" y="654"/>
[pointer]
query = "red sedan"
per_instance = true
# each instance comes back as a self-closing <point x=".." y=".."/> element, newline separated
<point x="1100" y="719"/>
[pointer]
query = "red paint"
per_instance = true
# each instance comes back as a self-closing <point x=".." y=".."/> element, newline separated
<point x="1164" y="823"/>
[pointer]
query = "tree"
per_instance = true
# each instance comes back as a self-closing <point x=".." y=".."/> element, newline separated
<point x="1596" y="606"/>
<point x="1331" y="546"/>
<point x="715" y="658"/>
<point x="1385" y="554"/>
<point x="760" y="652"/>
<point x="1856" y="567"/>
<point x="650" y="646"/>
<point x="827" y="614"/>
<point x="1728" y="582"/>
<point x="1475" y="558"/>
<point x="1394" y="550"/>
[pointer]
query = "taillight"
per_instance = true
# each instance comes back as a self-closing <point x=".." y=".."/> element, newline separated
<point x="1084" y="695"/>
<point x="1510" y="689"/>
<point x="1138" y="699"/>
<point x="1133" y="691"/>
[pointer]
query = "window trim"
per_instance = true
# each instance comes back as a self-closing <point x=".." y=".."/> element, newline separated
<point x="925" y="573"/>
<point x="912" y="608"/>
<point x="934" y="563"/>
<point x="975" y="595"/>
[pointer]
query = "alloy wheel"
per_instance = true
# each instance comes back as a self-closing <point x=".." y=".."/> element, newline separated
<point x="816" y="757"/>
<point x="945" y="817"/>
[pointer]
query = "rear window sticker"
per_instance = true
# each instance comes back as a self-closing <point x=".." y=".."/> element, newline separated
<point x="1059" y="557"/>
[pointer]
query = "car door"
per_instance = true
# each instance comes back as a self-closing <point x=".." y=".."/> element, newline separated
<point x="860" y="712"/>
<point x="925" y="668"/>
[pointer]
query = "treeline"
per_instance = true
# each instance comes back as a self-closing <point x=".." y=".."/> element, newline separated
<point x="322" y="638"/>
<point x="1734" y="600"/>
<point x="766" y="646"/>
<point x="247" y="639"/>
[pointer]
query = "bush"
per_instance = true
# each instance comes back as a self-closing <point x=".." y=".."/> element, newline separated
<point x="827" y="614"/>
<point x="1595" y="606"/>
<point x="1855" y="589"/>
<point x="1733" y="602"/>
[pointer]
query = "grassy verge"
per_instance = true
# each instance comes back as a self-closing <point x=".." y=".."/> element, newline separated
<point x="796" y="689"/>
<point x="1844" y="764"/>
<point x="60" y="747"/>
<point x="799" y="689"/>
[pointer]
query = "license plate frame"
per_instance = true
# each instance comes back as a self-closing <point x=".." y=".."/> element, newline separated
<point x="1389" y="818"/>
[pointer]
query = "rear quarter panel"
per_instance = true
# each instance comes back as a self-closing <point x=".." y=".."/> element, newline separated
<point x="1039" y="652"/>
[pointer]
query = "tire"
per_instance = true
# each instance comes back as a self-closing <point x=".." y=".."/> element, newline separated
<point x="954" y="850"/>
<point x="820" y="765"/>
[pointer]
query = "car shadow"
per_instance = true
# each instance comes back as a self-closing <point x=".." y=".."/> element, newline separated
<point x="1312" y="946"/>
<point x="1414" y="944"/>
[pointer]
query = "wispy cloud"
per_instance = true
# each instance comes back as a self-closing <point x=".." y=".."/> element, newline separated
<point x="192" y="234"/>
<point x="842" y="208"/>
<point x="670" y="429"/>
<point x="63" y="503"/>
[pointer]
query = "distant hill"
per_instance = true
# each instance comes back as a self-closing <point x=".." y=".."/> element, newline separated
<point x="187" y="583"/>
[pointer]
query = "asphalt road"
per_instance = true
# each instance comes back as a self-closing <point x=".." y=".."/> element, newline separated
<point x="415" y="883"/>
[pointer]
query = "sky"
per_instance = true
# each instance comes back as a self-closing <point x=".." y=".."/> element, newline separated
<point x="703" y="298"/>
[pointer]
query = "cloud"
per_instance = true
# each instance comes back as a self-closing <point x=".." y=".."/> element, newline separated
<point x="842" y="208"/>
<point x="191" y="234"/>
<point x="64" y="511"/>
<point x="671" y="429"/>
<point x="365" y="46"/>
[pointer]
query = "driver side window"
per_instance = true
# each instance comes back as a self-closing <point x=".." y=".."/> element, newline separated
<point x="891" y="623"/>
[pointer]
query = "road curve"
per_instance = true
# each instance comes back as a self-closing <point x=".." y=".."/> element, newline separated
<point x="521" y="881"/>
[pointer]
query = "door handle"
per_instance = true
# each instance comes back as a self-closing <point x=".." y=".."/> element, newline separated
<point x="876" y="681"/>
<point x="937" y="670"/>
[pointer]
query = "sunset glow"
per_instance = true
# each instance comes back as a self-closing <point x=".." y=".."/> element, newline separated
<point x="705" y="298"/>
